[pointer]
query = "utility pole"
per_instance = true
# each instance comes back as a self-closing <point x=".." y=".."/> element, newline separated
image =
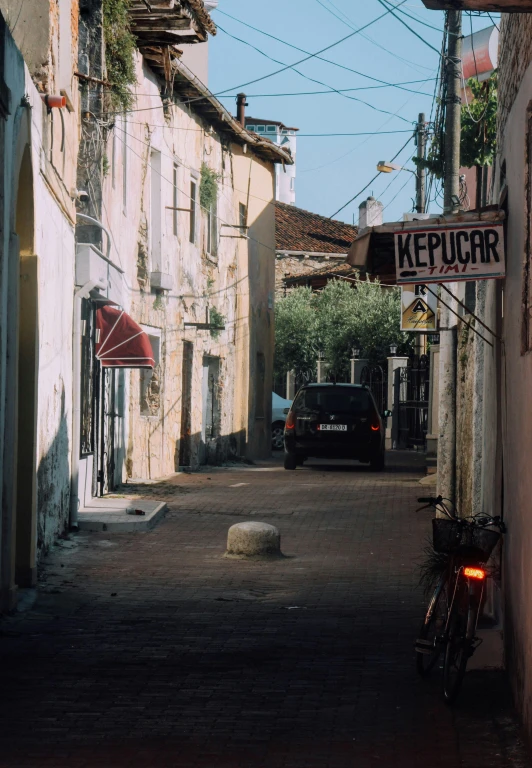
<point x="421" y="140"/>
<point x="448" y="333"/>
<point x="453" y="110"/>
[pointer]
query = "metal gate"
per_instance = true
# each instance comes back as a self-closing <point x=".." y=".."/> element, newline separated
<point x="108" y="415"/>
<point x="412" y="397"/>
<point x="376" y="380"/>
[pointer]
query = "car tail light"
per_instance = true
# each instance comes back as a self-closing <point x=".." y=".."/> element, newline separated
<point x="375" y="427"/>
<point x="290" y="420"/>
<point x="475" y="573"/>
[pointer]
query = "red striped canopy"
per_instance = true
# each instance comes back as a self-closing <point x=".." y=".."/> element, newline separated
<point x="120" y="341"/>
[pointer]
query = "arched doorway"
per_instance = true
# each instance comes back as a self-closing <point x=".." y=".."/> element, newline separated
<point x="27" y="373"/>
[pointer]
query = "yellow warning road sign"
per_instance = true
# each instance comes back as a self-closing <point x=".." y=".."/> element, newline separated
<point x="419" y="309"/>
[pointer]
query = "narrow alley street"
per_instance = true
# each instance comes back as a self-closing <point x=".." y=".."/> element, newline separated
<point x="151" y="649"/>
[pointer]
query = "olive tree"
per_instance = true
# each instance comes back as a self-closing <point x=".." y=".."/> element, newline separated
<point x="343" y="315"/>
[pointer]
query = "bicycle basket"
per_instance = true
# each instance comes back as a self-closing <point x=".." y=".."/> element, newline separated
<point x="452" y="537"/>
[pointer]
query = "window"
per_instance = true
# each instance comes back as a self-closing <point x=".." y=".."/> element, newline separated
<point x="113" y="161"/>
<point x="261" y="128"/>
<point x="155" y="211"/>
<point x="243" y="218"/>
<point x="193" y="209"/>
<point x="292" y="184"/>
<point x="271" y="129"/>
<point x="175" y="200"/>
<point x="212" y="229"/>
<point x="250" y="127"/>
<point x="124" y="162"/>
<point x="338" y="399"/>
<point x="150" y="380"/>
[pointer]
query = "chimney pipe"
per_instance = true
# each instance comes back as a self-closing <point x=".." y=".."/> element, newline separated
<point x="241" y="105"/>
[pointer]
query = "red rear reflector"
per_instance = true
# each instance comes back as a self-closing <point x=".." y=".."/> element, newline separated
<point x="290" y="420"/>
<point x="475" y="573"/>
<point x="375" y="427"/>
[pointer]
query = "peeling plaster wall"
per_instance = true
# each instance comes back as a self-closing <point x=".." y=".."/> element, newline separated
<point x="152" y="442"/>
<point x="55" y="249"/>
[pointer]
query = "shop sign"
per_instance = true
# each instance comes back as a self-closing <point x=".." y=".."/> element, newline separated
<point x="419" y="309"/>
<point x="442" y="255"/>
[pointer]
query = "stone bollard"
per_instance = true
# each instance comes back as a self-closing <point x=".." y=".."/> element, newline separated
<point x="253" y="540"/>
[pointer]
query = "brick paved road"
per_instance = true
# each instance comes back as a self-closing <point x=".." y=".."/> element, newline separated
<point x="152" y="650"/>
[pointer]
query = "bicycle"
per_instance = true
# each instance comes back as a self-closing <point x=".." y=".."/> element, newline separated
<point x="451" y="619"/>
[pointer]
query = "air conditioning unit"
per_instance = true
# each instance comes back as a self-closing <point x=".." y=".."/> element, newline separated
<point x="90" y="265"/>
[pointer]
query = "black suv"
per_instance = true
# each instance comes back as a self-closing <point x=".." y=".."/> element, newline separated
<point x="334" y="421"/>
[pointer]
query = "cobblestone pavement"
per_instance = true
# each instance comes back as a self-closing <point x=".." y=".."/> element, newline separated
<point x="150" y="649"/>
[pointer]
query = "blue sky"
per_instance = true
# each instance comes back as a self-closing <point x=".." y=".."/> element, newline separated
<point x="330" y="170"/>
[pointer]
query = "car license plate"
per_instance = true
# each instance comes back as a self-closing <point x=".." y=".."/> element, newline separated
<point x="333" y="427"/>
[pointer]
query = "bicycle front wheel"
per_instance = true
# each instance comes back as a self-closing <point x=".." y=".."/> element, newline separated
<point x="430" y="640"/>
<point x="460" y="637"/>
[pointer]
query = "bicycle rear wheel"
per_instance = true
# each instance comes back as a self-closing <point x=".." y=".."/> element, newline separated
<point x="429" y="644"/>
<point x="461" y="633"/>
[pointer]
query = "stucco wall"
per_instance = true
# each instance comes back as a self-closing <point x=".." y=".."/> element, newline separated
<point x="199" y="280"/>
<point x="515" y="394"/>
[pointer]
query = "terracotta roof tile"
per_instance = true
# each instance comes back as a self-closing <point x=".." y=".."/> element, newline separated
<point x="299" y="230"/>
<point x="328" y="271"/>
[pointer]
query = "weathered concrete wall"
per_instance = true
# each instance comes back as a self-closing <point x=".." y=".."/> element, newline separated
<point x="291" y="266"/>
<point x="37" y="267"/>
<point x="261" y="278"/>
<point x="154" y="148"/>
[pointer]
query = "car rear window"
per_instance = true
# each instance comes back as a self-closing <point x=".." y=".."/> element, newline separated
<point x="334" y="399"/>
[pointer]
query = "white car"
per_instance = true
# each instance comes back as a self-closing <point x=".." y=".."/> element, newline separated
<point x="280" y="408"/>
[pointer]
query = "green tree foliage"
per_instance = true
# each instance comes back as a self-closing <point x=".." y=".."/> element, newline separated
<point x="208" y="188"/>
<point x="478" y="142"/>
<point x="478" y="126"/>
<point x="120" y="46"/>
<point x="335" y="320"/>
<point x="296" y="336"/>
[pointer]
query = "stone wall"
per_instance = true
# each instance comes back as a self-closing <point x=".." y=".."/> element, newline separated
<point x="515" y="55"/>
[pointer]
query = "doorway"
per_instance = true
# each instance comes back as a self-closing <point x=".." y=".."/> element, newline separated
<point x="185" y="441"/>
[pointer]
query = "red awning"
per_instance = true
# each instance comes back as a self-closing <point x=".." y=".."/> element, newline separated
<point x="120" y="341"/>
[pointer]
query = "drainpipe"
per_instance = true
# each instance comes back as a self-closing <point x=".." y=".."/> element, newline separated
<point x="241" y="105"/>
<point x="99" y="224"/>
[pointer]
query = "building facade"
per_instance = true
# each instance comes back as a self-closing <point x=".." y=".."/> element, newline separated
<point x="39" y="145"/>
<point x="286" y="138"/>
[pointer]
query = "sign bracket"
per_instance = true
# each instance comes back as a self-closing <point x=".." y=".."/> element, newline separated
<point x="458" y="316"/>
<point x="495" y="335"/>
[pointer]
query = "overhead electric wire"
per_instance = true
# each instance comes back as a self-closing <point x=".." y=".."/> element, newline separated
<point x="312" y="55"/>
<point x="319" y="93"/>
<point x="357" y="146"/>
<point x="491" y="19"/>
<point x="311" y="79"/>
<point x="347" y="21"/>
<point x="419" y="37"/>
<point x="299" y="135"/>
<point x="401" y="10"/>
<point x="321" y="58"/>
<point x="370" y="182"/>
